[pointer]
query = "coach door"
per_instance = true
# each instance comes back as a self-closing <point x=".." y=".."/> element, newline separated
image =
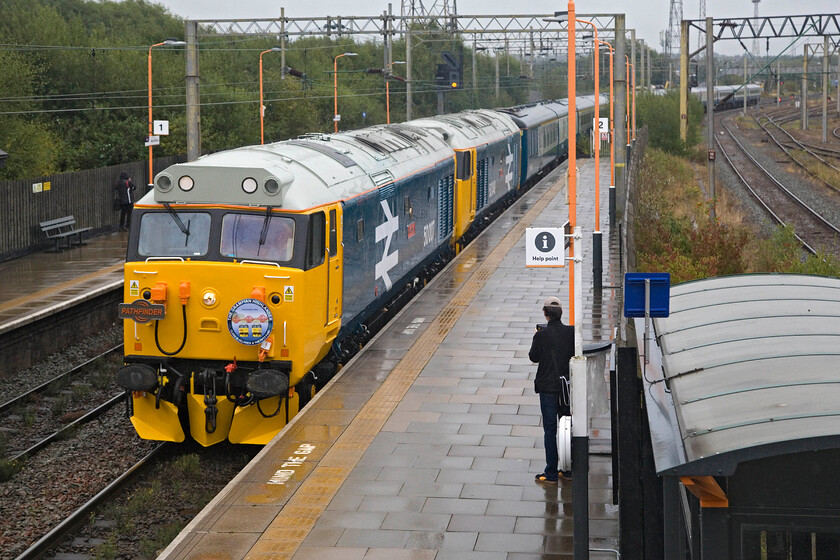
<point x="334" y="266"/>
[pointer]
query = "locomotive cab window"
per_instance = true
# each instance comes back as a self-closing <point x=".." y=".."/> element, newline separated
<point x="258" y="237"/>
<point x="463" y="163"/>
<point x="360" y="230"/>
<point x="174" y="234"/>
<point x="316" y="240"/>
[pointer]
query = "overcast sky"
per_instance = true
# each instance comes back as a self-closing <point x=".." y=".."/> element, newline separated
<point x="648" y="17"/>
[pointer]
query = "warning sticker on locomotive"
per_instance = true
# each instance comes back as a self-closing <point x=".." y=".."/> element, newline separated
<point x="250" y="321"/>
<point x="288" y="293"/>
<point x="134" y="288"/>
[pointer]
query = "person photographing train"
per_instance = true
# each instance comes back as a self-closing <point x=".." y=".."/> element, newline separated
<point x="552" y="348"/>
<point x="124" y="195"/>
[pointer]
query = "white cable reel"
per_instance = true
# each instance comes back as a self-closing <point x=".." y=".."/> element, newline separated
<point x="564" y="444"/>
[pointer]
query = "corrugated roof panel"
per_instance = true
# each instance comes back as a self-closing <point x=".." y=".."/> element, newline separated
<point x="749" y="361"/>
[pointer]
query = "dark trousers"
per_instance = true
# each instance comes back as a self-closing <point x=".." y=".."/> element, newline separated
<point x="125" y="215"/>
<point x="552" y="408"/>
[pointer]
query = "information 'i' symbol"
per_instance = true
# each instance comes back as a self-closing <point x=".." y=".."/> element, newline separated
<point x="545" y="242"/>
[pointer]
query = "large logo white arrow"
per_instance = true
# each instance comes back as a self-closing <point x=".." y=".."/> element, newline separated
<point x="386" y="231"/>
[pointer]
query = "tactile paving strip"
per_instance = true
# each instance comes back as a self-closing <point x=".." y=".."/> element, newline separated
<point x="292" y="525"/>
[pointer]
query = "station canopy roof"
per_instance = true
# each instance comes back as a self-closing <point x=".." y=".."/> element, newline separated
<point x="745" y="367"/>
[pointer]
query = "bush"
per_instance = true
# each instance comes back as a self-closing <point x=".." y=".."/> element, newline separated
<point x="661" y="114"/>
<point x="674" y="233"/>
<point x="673" y="230"/>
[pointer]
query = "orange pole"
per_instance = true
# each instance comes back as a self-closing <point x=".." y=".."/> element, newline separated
<point x="572" y="157"/>
<point x="151" y="169"/>
<point x="634" y="101"/>
<point x="597" y="129"/>
<point x="627" y="96"/>
<point x="612" y="117"/>
<point x="387" y="101"/>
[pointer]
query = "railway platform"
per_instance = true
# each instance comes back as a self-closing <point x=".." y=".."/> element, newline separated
<point x="426" y="444"/>
<point x="39" y="288"/>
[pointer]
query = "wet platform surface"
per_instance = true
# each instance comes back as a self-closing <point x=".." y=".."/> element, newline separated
<point x="426" y="444"/>
<point x="37" y="285"/>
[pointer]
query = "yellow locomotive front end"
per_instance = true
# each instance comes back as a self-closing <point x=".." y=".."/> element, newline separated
<point x="227" y="310"/>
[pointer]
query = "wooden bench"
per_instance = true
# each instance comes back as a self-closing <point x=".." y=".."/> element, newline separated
<point x="63" y="228"/>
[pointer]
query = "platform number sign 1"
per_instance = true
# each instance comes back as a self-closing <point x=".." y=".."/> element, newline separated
<point x="160" y="128"/>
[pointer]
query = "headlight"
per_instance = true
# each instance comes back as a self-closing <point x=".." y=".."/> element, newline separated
<point x="249" y="185"/>
<point x="272" y="186"/>
<point x="186" y="183"/>
<point x="164" y="183"/>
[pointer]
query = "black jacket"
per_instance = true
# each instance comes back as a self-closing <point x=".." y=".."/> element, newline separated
<point x="552" y="348"/>
<point x="124" y="189"/>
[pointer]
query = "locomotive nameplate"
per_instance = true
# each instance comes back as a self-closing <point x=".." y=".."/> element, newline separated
<point x="142" y="311"/>
<point x="250" y="321"/>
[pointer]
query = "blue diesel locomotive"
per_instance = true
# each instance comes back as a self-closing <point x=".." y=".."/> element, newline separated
<point x="251" y="272"/>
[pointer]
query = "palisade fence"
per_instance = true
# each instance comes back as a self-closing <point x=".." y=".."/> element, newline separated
<point x="87" y="195"/>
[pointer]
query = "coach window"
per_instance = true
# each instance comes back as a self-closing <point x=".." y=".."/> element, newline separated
<point x="463" y="163"/>
<point x="316" y="242"/>
<point x="333" y="234"/>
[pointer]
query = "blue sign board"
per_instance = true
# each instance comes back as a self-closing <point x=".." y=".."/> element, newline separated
<point x="634" y="294"/>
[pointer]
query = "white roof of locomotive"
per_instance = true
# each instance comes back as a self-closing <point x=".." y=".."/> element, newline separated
<point x="311" y="171"/>
<point x="469" y="129"/>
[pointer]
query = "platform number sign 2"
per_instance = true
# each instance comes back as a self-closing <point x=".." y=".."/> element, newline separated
<point x="603" y="125"/>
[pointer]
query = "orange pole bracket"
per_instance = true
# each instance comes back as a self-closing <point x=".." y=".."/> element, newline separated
<point x="707" y="490"/>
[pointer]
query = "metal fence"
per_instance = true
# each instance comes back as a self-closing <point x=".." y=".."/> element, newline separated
<point x="86" y="195"/>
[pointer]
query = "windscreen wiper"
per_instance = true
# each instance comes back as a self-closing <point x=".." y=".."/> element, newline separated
<point x="264" y="232"/>
<point x="184" y="229"/>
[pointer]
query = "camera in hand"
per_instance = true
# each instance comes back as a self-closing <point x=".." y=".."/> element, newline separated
<point x="541" y="326"/>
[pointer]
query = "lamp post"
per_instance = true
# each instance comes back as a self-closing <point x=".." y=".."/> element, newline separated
<point x="632" y="79"/>
<point x="633" y="83"/>
<point x="577" y="365"/>
<point x="336" y="117"/>
<point x="167" y="42"/>
<point x="612" y="123"/>
<point x="596" y="234"/>
<point x="262" y="107"/>
<point x="560" y="17"/>
<point x="627" y="66"/>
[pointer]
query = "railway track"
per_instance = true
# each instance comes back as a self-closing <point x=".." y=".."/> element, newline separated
<point x="811" y="229"/>
<point x="805" y="148"/>
<point x="59" y="406"/>
<point x="78" y="517"/>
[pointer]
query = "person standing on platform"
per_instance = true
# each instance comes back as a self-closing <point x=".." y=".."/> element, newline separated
<point x="124" y="194"/>
<point x="552" y="348"/>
